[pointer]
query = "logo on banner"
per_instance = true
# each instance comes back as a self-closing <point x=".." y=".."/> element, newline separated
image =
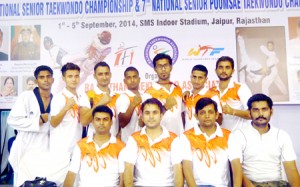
<point x="160" y="44"/>
<point x="205" y="50"/>
<point x="124" y="55"/>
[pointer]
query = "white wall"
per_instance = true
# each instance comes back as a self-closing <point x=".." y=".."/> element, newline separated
<point x="287" y="117"/>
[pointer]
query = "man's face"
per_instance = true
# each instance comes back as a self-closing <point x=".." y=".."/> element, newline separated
<point x="270" y="46"/>
<point x="163" y="69"/>
<point x="224" y="70"/>
<point x="25" y="35"/>
<point x="71" y="79"/>
<point x="47" y="45"/>
<point x="260" y="113"/>
<point x="198" y="79"/>
<point x="132" y="80"/>
<point x="207" y="116"/>
<point x="151" y="116"/>
<point x="44" y="80"/>
<point x="102" y="123"/>
<point x="102" y="76"/>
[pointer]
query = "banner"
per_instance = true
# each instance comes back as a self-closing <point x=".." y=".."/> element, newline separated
<point x="263" y="36"/>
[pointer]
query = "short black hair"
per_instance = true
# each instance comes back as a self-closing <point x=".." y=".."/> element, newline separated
<point x="203" y="102"/>
<point x="200" y="67"/>
<point x="153" y="101"/>
<point x="130" y="68"/>
<point x="102" y="108"/>
<point x="225" y="58"/>
<point x="101" y="64"/>
<point x="259" y="97"/>
<point x="42" y="68"/>
<point x="69" y="66"/>
<point x="160" y="56"/>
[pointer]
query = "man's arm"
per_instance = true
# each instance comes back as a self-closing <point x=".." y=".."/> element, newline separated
<point x="188" y="173"/>
<point x="70" y="179"/>
<point x="124" y="118"/>
<point x="178" y="175"/>
<point x="20" y="116"/>
<point x="128" y="175"/>
<point x="86" y="113"/>
<point x="121" y="180"/>
<point x="235" y="112"/>
<point x="85" y="116"/>
<point x="237" y="172"/>
<point x="247" y="182"/>
<point x="292" y="173"/>
<point x="56" y="120"/>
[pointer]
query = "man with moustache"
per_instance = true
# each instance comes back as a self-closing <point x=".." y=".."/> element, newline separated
<point x="100" y="95"/>
<point x="233" y="95"/>
<point x="128" y="104"/>
<point x="198" y="79"/>
<point x="30" y="116"/>
<point x="262" y="149"/>
<point x="168" y="93"/>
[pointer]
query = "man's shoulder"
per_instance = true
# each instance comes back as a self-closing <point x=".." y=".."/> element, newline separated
<point x="120" y="142"/>
<point x="3" y="56"/>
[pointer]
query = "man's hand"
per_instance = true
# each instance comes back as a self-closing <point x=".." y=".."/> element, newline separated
<point x="185" y="95"/>
<point x="136" y="100"/>
<point x="170" y="102"/>
<point x="104" y="100"/>
<point x="70" y="103"/>
<point x="45" y="117"/>
<point x="227" y="109"/>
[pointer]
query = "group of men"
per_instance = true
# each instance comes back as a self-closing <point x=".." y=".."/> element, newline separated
<point x="162" y="137"/>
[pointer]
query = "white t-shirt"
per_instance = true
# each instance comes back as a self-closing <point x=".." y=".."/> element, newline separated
<point x="85" y="102"/>
<point x="65" y="136"/>
<point x="172" y="119"/>
<point x="208" y="154"/>
<point x="122" y="105"/>
<point x="97" y="166"/>
<point x="153" y="159"/>
<point x="261" y="155"/>
<point x="236" y="95"/>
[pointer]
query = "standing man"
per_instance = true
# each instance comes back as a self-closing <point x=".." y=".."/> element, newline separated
<point x="153" y="155"/>
<point x="101" y="95"/>
<point x="66" y="129"/>
<point x="271" y="71"/>
<point x="233" y="95"/>
<point x="262" y="148"/>
<point x="128" y="104"/>
<point x="169" y="94"/>
<point x="95" y="160"/>
<point x="198" y="80"/>
<point x="204" y="148"/>
<point x="30" y="117"/>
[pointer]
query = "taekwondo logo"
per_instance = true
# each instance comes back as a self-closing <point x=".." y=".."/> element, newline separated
<point x="124" y="55"/>
<point x="160" y="44"/>
<point x="204" y="50"/>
